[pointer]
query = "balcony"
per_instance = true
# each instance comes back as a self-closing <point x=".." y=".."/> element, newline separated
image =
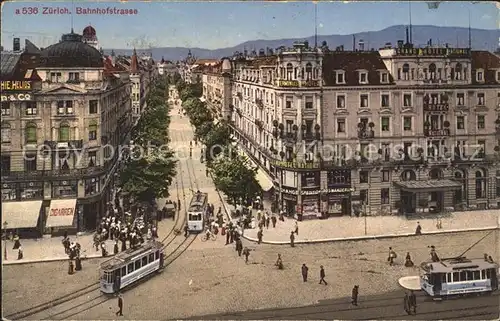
<point x="76" y="173"/>
<point x="436" y="132"/>
<point x="71" y="144"/>
<point x="366" y="134"/>
<point x="289" y="136"/>
<point x="435" y="107"/>
<point x="240" y="95"/>
<point x="480" y="157"/>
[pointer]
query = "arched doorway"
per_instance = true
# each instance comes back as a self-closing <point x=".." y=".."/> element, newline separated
<point x="408" y="199"/>
<point x="481" y="183"/>
<point x="461" y="194"/>
<point x="436" y="198"/>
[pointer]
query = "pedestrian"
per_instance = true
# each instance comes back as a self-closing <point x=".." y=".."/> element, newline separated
<point x="322" y="275"/>
<point x="273" y="220"/>
<point x="246" y="253"/>
<point x="78" y="264"/>
<point x="116" y="247"/>
<point x="239" y="247"/>
<point x="186" y="232"/>
<point x="103" y="249"/>
<point x="305" y="269"/>
<point x="179" y="205"/>
<point x="279" y="263"/>
<point x="292" y="239"/>
<point x="355" y="292"/>
<point x="392" y="256"/>
<point x="268" y="221"/>
<point x="406" y="303"/>
<point x="71" y="267"/>
<point x="228" y="236"/>
<point x="408" y="261"/>
<point x="418" y="230"/>
<point x="20" y="252"/>
<point x="120" y="306"/>
<point x="412" y="302"/>
<point x="296" y="228"/>
<point x="434" y="256"/>
<point x="260" y="234"/>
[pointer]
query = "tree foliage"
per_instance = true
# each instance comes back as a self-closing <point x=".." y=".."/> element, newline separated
<point x="149" y="171"/>
<point x="235" y="179"/>
<point x="217" y="140"/>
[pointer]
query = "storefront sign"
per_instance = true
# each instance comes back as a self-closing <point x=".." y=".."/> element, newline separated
<point x="14" y="85"/>
<point x="318" y="191"/>
<point x="296" y="165"/>
<point x="62" y="211"/>
<point x="432" y="51"/>
<point x="289" y="197"/>
<point x="17" y="97"/>
<point x="288" y="83"/>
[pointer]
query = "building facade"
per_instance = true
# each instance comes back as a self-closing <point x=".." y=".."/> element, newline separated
<point x="60" y="149"/>
<point x="167" y="68"/>
<point x="399" y="130"/>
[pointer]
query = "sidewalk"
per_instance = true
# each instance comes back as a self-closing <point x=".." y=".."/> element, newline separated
<point x="51" y="248"/>
<point x="360" y="228"/>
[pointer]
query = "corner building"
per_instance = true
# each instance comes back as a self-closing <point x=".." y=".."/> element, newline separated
<point x="56" y="172"/>
<point x="395" y="131"/>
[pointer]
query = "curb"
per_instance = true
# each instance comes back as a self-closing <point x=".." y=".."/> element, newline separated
<point x="55" y="259"/>
<point x="371" y="237"/>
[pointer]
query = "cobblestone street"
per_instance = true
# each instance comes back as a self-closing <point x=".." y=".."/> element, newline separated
<point x="209" y="280"/>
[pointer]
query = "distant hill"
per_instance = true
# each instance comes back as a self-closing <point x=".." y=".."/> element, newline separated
<point x="481" y="40"/>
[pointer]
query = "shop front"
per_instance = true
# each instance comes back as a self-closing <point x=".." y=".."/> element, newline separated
<point x="22" y="217"/>
<point x="289" y="201"/>
<point x="338" y="194"/>
<point x="310" y="206"/>
<point x="61" y="216"/>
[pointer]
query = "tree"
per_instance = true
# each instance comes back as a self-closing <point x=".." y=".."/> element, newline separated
<point x="235" y="179"/>
<point x="217" y="140"/>
<point x="148" y="176"/>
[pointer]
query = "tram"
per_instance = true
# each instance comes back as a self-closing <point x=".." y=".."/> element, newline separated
<point x="131" y="266"/>
<point x="459" y="276"/>
<point x="197" y="211"/>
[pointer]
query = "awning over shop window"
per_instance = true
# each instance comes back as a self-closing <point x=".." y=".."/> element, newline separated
<point x="61" y="213"/>
<point x="431" y="185"/>
<point x="264" y="180"/>
<point x="21" y="214"/>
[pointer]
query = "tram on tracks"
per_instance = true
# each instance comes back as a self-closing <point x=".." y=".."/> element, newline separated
<point x="458" y="276"/>
<point x="131" y="266"/>
<point x="198" y="207"/>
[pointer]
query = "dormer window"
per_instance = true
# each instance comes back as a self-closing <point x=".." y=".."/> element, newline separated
<point x="363" y="77"/>
<point x="340" y="77"/>
<point x="479" y="75"/>
<point x="384" y="77"/>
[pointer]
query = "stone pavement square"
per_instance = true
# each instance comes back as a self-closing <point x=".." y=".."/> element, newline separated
<point x="352" y="227"/>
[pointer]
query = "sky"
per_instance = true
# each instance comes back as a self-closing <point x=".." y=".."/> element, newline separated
<point x="214" y="25"/>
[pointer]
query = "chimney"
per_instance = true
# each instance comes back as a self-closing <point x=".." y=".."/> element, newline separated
<point x="361" y="45"/>
<point x="400" y="44"/>
<point x="353" y="43"/>
<point x="17" y="44"/>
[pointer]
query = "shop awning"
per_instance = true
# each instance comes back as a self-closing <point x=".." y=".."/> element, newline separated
<point x="431" y="185"/>
<point x="264" y="180"/>
<point x="21" y="214"/>
<point x="61" y="213"/>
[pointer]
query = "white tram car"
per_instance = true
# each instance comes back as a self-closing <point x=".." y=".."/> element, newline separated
<point x="458" y="276"/>
<point x="130" y="266"/>
<point x="197" y="211"/>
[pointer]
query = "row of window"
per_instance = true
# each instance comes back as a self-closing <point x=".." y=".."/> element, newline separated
<point x="63" y="107"/>
<point x="31" y="136"/>
<point x="436" y="122"/>
<point x="131" y="267"/>
<point x="71" y="77"/>
<point x="340" y="78"/>
<point x="35" y="191"/>
<point x="61" y="160"/>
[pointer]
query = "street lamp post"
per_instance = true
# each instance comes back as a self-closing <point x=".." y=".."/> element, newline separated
<point x="5" y="224"/>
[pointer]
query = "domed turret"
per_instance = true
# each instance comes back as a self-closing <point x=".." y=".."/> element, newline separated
<point x="71" y="52"/>
<point x="226" y="65"/>
<point x="90" y="37"/>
